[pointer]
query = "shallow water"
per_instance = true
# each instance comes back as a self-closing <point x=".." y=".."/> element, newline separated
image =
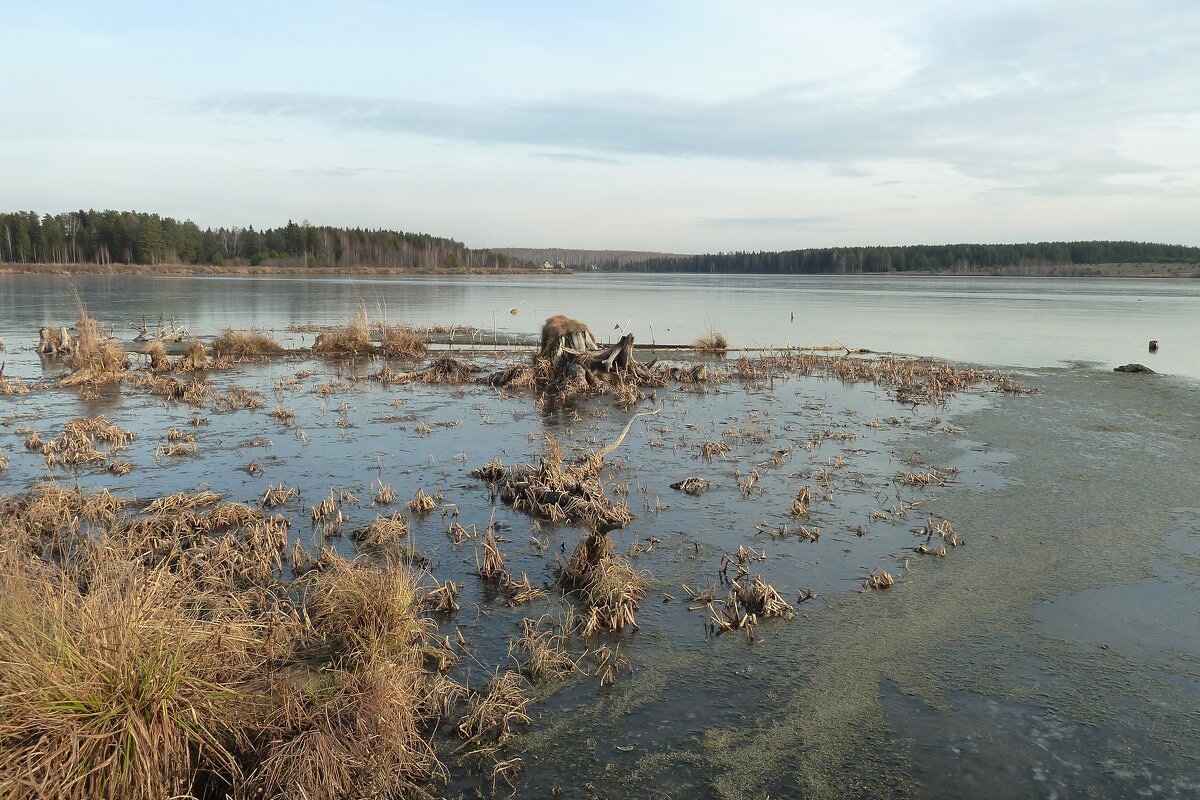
<point x="1053" y="655"/>
<point x="1024" y="322"/>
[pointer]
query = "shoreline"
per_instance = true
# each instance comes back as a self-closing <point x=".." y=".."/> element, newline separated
<point x="1171" y="272"/>
<point x="153" y="270"/>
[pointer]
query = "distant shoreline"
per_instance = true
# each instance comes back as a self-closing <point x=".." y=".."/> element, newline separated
<point x="249" y="272"/>
<point x="1164" y="270"/>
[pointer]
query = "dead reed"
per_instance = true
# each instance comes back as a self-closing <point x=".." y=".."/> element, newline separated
<point x="692" y="485"/>
<point x="94" y="358"/>
<point x="351" y="339"/>
<point x="400" y="341"/>
<point x="243" y="344"/>
<point x="711" y="342"/>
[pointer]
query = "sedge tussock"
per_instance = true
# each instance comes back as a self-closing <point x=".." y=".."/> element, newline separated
<point x="879" y="579"/>
<point x="422" y="503"/>
<point x="276" y="496"/>
<point x="541" y="650"/>
<point x="692" y="485"/>
<point x="712" y="342"/>
<point x="400" y="341"/>
<point x="239" y="345"/>
<point x="94" y="358"/>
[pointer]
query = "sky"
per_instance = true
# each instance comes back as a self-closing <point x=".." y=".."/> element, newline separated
<point x="681" y="126"/>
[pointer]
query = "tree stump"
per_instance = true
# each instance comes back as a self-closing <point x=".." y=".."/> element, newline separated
<point x="563" y="333"/>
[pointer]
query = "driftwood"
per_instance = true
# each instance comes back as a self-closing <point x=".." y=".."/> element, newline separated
<point x="172" y="333"/>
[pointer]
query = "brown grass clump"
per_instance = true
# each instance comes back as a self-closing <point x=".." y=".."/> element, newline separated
<point x="193" y="357"/>
<point x="879" y="579"/>
<point x="364" y="608"/>
<point x="351" y="339"/>
<point x="607" y="585"/>
<point x="80" y="440"/>
<point x="385" y="494"/>
<point x="712" y="342"/>
<point x="492" y="714"/>
<point x="276" y="496"/>
<point x="692" y="485"/>
<point x="561" y="491"/>
<point x="157" y="353"/>
<point x="120" y="467"/>
<point x="542" y="651"/>
<point x="422" y="503"/>
<point x="490" y="566"/>
<point x="11" y="386"/>
<point x="243" y="344"/>
<point x="159" y="654"/>
<point x="710" y="449"/>
<point x="400" y="341"/>
<point x="388" y="536"/>
<point x="93" y="358"/>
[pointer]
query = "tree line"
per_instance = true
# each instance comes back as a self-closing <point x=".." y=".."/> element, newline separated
<point x="132" y="237"/>
<point x="913" y="258"/>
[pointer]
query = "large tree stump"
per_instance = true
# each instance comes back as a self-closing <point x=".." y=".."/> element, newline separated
<point x="563" y="333"/>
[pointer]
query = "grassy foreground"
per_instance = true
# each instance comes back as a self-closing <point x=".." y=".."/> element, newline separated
<point x="169" y="651"/>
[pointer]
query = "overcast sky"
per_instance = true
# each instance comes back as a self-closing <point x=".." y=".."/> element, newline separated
<point x="685" y="126"/>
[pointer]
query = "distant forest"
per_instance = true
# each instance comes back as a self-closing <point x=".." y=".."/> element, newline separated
<point x="131" y="237"/>
<point x="582" y="259"/>
<point x="913" y="258"/>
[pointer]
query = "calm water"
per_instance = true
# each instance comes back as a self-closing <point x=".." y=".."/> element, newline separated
<point x="1023" y="322"/>
<point x="1055" y="655"/>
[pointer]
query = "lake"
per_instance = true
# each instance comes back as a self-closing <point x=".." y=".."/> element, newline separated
<point x="1021" y="322"/>
<point x="1054" y="653"/>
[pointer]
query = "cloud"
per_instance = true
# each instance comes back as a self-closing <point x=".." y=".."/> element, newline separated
<point x="797" y="223"/>
<point x="337" y="172"/>
<point x="582" y="158"/>
<point x="1029" y="99"/>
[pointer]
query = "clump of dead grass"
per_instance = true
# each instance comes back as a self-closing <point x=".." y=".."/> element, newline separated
<point x="94" y="358"/>
<point x="400" y="341"/>
<point x="243" y="344"/>
<point x="711" y="342"/>
<point x="351" y="339"/>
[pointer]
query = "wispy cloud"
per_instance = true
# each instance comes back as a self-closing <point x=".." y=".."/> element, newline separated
<point x="1031" y="99"/>
<point x="580" y="158"/>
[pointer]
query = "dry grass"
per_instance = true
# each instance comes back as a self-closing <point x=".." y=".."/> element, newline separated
<point x="541" y="650"/>
<point x="692" y="485"/>
<point x="157" y="353"/>
<point x="560" y="491"/>
<point x="243" y="344"/>
<point x="608" y="586"/>
<point x="193" y="357"/>
<point x="276" y="496"/>
<point x="11" y="386"/>
<point x="422" y="503"/>
<point x="94" y="358"/>
<point x="80" y="441"/>
<point x="389" y="537"/>
<point x="400" y="341"/>
<point x="711" y="342"/>
<point x="351" y="339"/>
<point x="879" y="579"/>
